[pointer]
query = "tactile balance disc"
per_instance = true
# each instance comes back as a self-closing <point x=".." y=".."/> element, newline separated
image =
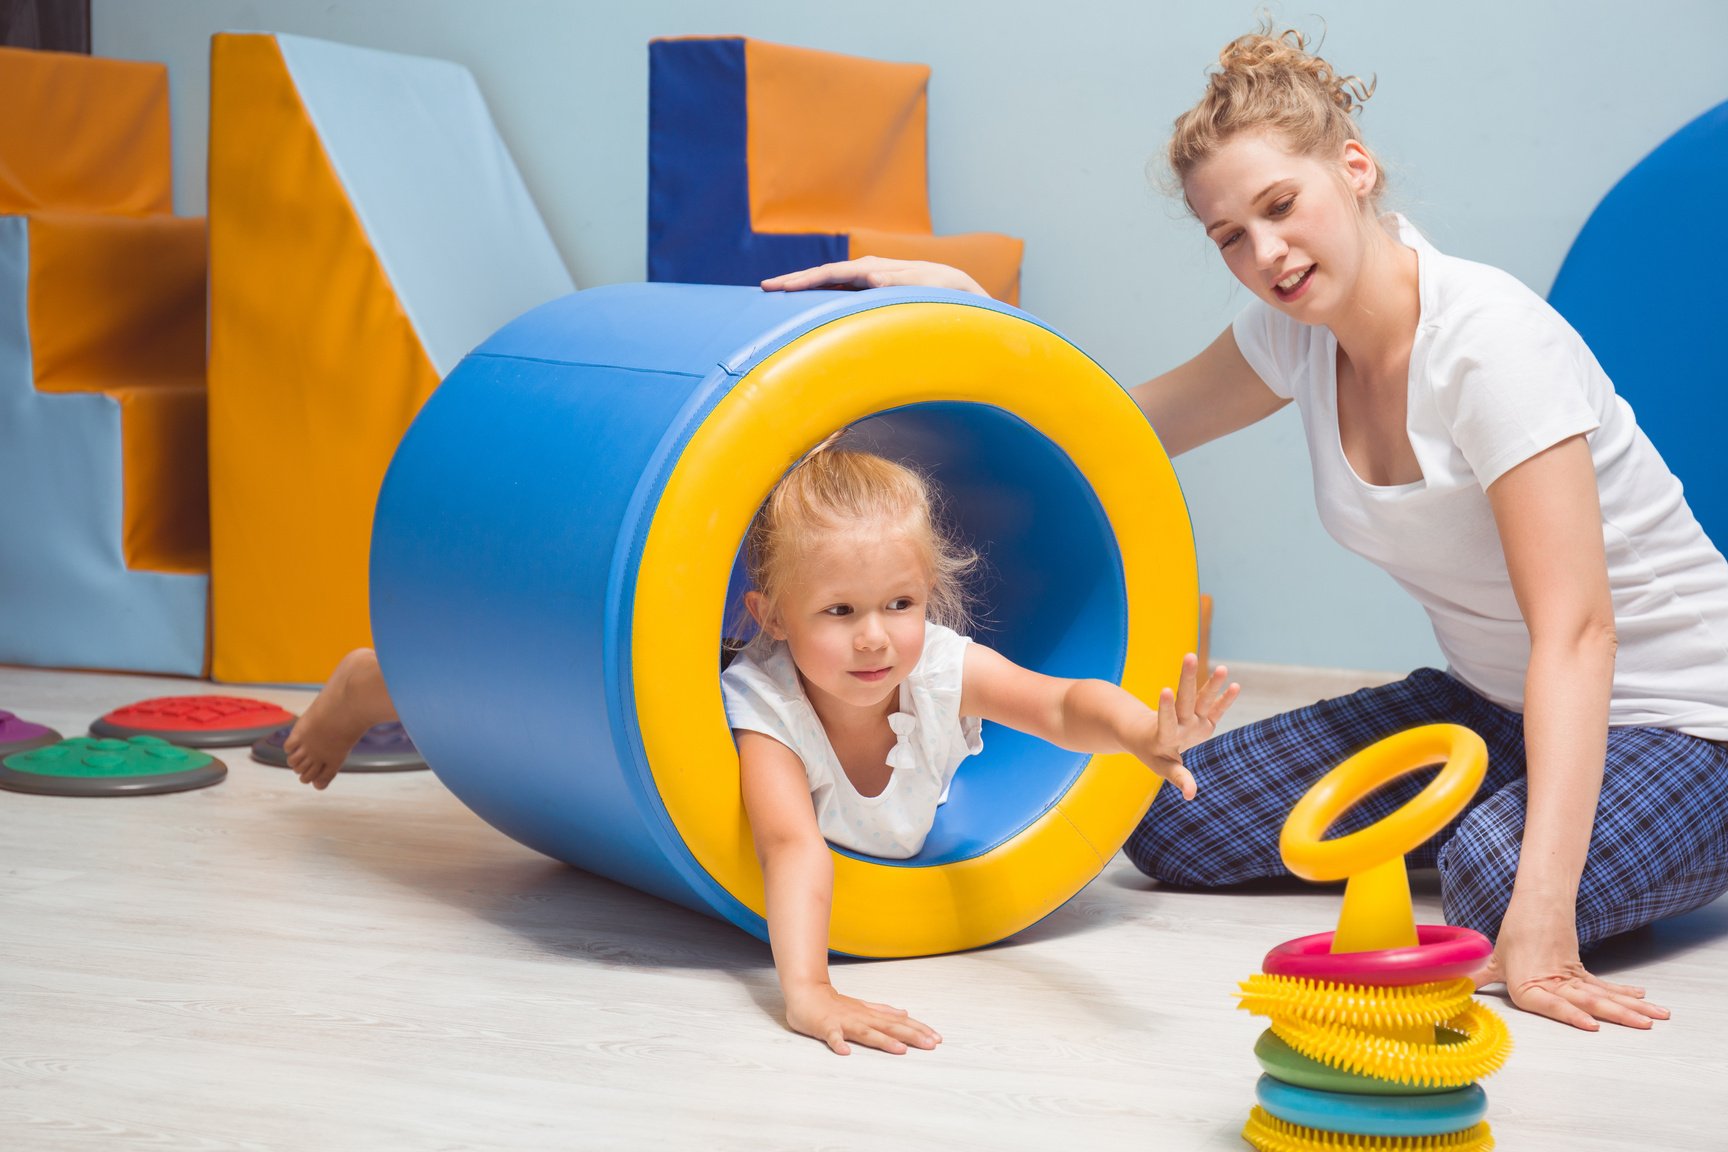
<point x="107" y="766"/>
<point x="20" y="735"/>
<point x="382" y="748"/>
<point x="195" y="721"/>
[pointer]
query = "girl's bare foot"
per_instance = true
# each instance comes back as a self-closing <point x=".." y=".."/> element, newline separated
<point x="354" y="700"/>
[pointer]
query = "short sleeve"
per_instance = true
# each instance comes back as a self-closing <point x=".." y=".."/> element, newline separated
<point x="942" y="671"/>
<point x="1517" y="384"/>
<point x="1275" y="346"/>
<point x="754" y="701"/>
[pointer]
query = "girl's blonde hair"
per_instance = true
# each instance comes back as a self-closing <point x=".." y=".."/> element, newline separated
<point x="1268" y="81"/>
<point x="838" y="490"/>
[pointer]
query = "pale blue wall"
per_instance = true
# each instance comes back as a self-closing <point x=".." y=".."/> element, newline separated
<point x="1502" y="125"/>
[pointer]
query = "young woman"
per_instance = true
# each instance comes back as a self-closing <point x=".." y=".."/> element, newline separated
<point x="1464" y="439"/>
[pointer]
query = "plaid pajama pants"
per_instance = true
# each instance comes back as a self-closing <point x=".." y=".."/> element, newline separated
<point x="1659" y="847"/>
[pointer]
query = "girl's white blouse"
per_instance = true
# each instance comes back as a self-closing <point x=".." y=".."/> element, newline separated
<point x="763" y="694"/>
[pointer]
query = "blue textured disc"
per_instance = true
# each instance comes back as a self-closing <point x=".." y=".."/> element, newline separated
<point x="1363" y="1115"/>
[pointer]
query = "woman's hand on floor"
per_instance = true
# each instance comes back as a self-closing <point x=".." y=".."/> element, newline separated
<point x="1536" y="957"/>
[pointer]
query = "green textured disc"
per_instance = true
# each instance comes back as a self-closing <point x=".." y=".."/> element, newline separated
<point x="83" y="766"/>
<point x="1282" y="1062"/>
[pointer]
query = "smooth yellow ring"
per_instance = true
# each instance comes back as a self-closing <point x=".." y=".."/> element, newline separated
<point x="1309" y="856"/>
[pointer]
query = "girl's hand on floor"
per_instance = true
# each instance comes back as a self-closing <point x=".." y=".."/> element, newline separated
<point x="835" y="1019"/>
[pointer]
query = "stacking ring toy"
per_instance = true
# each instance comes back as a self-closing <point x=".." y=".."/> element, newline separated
<point x="1385" y="1032"/>
<point x="1362" y="1115"/>
<point x="1376" y="1039"/>
<point x="556" y="548"/>
<point x="1266" y="1131"/>
<point x="1481" y="1050"/>
<point x="1356" y="1005"/>
<point x="1312" y="858"/>
<point x="1282" y="1062"/>
<point x="1442" y="952"/>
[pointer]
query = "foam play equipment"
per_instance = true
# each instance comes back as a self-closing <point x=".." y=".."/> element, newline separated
<point x="104" y="523"/>
<point x="367" y="228"/>
<point x="765" y="158"/>
<point x="84" y="134"/>
<point x="381" y="748"/>
<point x="194" y="721"/>
<point x="556" y="552"/>
<point x="1375" y="1038"/>
<point x="1651" y="311"/>
<point x="83" y="766"/>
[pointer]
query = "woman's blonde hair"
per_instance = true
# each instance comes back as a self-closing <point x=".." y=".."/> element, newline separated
<point x="1267" y="81"/>
<point x="838" y="490"/>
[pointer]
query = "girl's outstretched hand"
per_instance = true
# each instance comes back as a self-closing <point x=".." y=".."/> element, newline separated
<point x="835" y="1019"/>
<point x="875" y="272"/>
<point x="1187" y="717"/>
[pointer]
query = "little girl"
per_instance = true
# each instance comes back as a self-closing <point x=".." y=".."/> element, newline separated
<point x="856" y="701"/>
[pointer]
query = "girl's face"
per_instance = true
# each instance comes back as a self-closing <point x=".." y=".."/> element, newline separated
<point x="1290" y="227"/>
<point x="853" y="617"/>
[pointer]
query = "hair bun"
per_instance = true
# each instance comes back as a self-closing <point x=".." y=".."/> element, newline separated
<point x="1285" y="55"/>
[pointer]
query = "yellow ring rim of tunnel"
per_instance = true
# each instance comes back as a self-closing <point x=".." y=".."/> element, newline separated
<point x="858" y="365"/>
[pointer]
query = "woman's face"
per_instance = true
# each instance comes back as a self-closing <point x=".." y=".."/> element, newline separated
<point x="1289" y="226"/>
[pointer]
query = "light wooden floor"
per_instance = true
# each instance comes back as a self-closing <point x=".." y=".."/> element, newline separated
<point x="256" y="966"/>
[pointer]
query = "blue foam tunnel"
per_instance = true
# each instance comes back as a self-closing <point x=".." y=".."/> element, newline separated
<point x="554" y="567"/>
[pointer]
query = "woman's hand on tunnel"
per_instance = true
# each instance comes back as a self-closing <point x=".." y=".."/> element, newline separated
<point x="875" y="272"/>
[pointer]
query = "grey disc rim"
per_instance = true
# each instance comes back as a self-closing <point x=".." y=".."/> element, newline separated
<point x="41" y="784"/>
<point x="225" y="738"/>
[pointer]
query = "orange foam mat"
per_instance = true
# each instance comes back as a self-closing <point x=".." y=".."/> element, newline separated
<point x="764" y="158"/>
<point x="116" y="298"/>
<point x="116" y="306"/>
<point x="835" y="142"/>
<point x="81" y="133"/>
<point x="315" y="373"/>
<point x="163" y="456"/>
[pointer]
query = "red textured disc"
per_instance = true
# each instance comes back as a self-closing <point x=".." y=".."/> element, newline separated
<point x="195" y="721"/>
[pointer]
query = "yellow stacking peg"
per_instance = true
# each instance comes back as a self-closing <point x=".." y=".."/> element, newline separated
<point x="1377" y="912"/>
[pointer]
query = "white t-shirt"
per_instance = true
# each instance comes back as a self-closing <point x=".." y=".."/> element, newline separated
<point x="762" y="694"/>
<point x="1497" y="376"/>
